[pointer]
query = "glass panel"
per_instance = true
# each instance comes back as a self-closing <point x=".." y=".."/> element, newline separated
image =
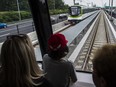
<point x="75" y="11"/>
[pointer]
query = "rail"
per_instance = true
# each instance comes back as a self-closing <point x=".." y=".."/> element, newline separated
<point x="85" y="77"/>
<point x="83" y="54"/>
<point x="75" y="36"/>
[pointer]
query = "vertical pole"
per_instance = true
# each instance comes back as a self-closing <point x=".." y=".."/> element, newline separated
<point x="74" y="2"/>
<point x="33" y="26"/>
<point x="54" y="4"/>
<point x="17" y="29"/>
<point x="18" y="10"/>
<point x="41" y="18"/>
<point x="111" y="9"/>
<point x="80" y="2"/>
<point x="109" y="6"/>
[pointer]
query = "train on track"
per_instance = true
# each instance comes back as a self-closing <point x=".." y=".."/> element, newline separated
<point x="79" y="12"/>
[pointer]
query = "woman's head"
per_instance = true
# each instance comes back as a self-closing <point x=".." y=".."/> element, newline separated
<point x="104" y="63"/>
<point x="57" y="46"/>
<point x="16" y="64"/>
<point x="14" y="60"/>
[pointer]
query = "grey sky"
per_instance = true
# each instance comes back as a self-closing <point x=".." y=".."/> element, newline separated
<point x="84" y="2"/>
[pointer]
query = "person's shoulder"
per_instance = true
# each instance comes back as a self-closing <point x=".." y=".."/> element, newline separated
<point x="46" y="57"/>
<point x="66" y="61"/>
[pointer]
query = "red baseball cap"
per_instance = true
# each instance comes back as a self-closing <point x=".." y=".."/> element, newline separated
<point x="57" y="41"/>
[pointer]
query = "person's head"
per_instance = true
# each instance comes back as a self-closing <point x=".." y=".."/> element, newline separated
<point x="104" y="66"/>
<point x="35" y="70"/>
<point x="15" y="62"/>
<point x="57" y="46"/>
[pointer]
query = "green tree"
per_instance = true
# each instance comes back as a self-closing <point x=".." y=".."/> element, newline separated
<point x="55" y="4"/>
<point x="24" y="5"/>
<point x="7" y="5"/>
<point x="11" y="5"/>
<point x="51" y="4"/>
<point x="59" y="4"/>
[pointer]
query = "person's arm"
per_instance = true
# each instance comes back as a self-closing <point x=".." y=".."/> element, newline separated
<point x="43" y="62"/>
<point x="72" y="73"/>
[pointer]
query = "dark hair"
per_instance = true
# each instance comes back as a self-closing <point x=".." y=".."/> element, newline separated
<point x="104" y="63"/>
<point x="58" y="54"/>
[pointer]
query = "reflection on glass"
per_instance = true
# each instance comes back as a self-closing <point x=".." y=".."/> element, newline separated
<point x="75" y="11"/>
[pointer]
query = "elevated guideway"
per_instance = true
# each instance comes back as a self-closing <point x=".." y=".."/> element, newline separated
<point x="77" y="36"/>
<point x="102" y="25"/>
<point x="72" y="32"/>
<point x="99" y="36"/>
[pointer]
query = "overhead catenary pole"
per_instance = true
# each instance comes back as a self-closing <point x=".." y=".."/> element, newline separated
<point x="54" y="4"/>
<point x="80" y="2"/>
<point x="111" y="9"/>
<point x="74" y="2"/>
<point x="109" y="4"/>
<point x="88" y="4"/>
<point x="18" y="10"/>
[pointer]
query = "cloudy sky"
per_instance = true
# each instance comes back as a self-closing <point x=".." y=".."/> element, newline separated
<point x="100" y="3"/>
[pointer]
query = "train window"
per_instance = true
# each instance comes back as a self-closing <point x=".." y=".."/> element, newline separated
<point x="75" y="10"/>
<point x="79" y="10"/>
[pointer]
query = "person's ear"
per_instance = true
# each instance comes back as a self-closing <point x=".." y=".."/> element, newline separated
<point x="103" y="82"/>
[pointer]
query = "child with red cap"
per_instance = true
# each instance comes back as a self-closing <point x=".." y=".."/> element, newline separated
<point x="58" y="70"/>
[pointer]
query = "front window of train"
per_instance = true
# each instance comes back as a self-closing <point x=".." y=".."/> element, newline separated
<point x="75" y="11"/>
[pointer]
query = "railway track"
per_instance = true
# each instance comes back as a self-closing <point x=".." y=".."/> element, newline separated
<point x="99" y="36"/>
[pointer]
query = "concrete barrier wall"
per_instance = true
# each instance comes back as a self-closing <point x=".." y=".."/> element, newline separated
<point x="57" y="26"/>
<point x="33" y="37"/>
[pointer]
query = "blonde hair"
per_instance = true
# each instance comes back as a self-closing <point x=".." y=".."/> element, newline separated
<point x="104" y="63"/>
<point x="35" y="70"/>
<point x="16" y="66"/>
